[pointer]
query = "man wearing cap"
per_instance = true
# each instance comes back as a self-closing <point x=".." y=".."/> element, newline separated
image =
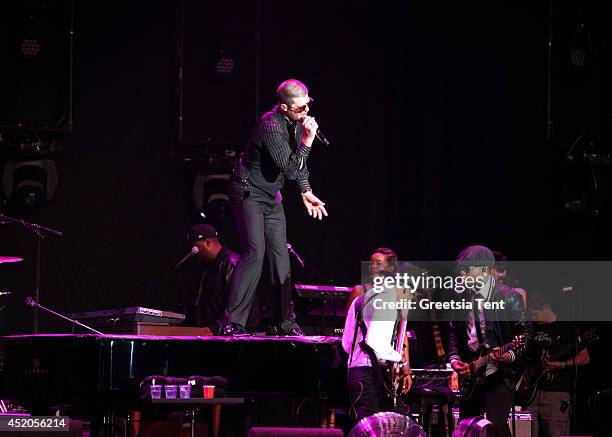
<point x="220" y="263"/>
<point x="277" y="151"/>
<point x="480" y="329"/>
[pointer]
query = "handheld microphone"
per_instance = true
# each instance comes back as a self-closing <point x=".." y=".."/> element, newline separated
<point x="321" y="137"/>
<point x="194" y="251"/>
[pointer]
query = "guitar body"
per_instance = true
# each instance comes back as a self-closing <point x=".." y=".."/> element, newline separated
<point x="528" y="385"/>
<point x="535" y="374"/>
<point x="469" y="384"/>
<point x="391" y="387"/>
<point x="391" y="374"/>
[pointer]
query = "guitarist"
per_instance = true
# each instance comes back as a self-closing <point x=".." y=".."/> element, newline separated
<point x="475" y="332"/>
<point x="550" y="407"/>
<point x="366" y="340"/>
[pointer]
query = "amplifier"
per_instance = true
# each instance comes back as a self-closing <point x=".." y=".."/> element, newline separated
<point x="123" y="315"/>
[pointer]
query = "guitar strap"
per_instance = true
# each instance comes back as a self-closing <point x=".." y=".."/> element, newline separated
<point x="477" y="322"/>
<point x="376" y="367"/>
<point x="358" y="316"/>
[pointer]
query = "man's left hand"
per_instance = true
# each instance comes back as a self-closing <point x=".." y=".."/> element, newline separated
<point x="500" y="358"/>
<point x="315" y="207"/>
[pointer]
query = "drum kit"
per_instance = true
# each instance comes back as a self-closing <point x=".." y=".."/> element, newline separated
<point x="39" y="232"/>
<point x="3" y="294"/>
<point x="8" y="259"/>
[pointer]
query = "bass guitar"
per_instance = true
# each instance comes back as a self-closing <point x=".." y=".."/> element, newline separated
<point x="392" y="380"/>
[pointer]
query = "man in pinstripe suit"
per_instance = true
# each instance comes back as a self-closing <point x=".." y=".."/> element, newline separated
<point x="277" y="151"/>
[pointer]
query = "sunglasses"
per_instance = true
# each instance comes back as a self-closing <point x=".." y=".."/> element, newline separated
<point x="300" y="109"/>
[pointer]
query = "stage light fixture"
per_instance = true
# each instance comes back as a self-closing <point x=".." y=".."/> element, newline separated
<point x="579" y="46"/>
<point x="225" y="65"/>
<point x="29" y="184"/>
<point x="210" y="197"/>
<point x="577" y="57"/>
<point x="30" y="47"/>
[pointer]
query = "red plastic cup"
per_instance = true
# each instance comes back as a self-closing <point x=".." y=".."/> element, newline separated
<point x="209" y="391"/>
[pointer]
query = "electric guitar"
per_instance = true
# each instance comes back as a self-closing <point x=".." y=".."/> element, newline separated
<point x="477" y="367"/>
<point x="536" y="374"/>
<point x="392" y="380"/>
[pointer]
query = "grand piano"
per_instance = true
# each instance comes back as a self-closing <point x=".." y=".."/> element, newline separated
<point x="96" y="372"/>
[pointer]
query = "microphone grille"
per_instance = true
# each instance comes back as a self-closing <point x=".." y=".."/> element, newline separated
<point x="195" y="250"/>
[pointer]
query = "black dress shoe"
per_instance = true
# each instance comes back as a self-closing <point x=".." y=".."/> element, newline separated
<point x="296" y="332"/>
<point x="290" y="327"/>
<point x="231" y="329"/>
<point x="273" y="330"/>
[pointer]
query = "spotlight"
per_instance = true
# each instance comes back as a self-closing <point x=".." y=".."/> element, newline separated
<point x="210" y="197"/>
<point x="579" y="47"/>
<point x="225" y="65"/>
<point x="212" y="204"/>
<point x="387" y="424"/>
<point x="29" y="184"/>
<point x="30" y="47"/>
<point x="577" y="57"/>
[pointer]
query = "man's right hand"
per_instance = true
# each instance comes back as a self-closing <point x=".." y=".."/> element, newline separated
<point x="461" y="368"/>
<point x="310" y="130"/>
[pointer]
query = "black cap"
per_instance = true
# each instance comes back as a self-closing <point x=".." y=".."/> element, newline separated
<point x="201" y="232"/>
<point x="476" y="256"/>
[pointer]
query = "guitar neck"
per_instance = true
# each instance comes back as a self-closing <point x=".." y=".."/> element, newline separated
<point x="484" y="359"/>
<point x="438" y="340"/>
<point x="436" y="329"/>
<point x="569" y="346"/>
<point x="401" y="334"/>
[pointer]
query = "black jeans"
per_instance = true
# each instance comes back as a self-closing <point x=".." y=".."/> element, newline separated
<point x="261" y="225"/>
<point x="492" y="397"/>
<point x="366" y="395"/>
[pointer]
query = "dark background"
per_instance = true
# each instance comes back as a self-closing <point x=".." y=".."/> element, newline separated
<point x="436" y="112"/>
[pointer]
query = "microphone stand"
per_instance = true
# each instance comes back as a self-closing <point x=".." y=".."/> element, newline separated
<point x="33" y="303"/>
<point x="180" y="307"/>
<point x="307" y="266"/>
<point x="39" y="231"/>
<point x="576" y="318"/>
<point x="179" y="293"/>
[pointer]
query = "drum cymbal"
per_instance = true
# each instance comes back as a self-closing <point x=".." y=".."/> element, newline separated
<point x="10" y="259"/>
